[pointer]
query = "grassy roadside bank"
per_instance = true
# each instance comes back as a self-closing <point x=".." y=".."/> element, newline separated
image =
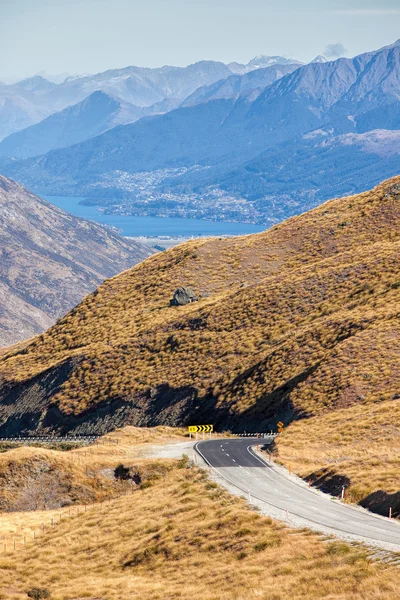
<point x="176" y="535"/>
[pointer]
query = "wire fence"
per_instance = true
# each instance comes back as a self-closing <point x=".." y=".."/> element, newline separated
<point x="54" y="439"/>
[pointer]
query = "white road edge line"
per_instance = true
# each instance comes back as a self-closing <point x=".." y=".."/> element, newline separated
<point x="323" y="496"/>
<point x="354" y="536"/>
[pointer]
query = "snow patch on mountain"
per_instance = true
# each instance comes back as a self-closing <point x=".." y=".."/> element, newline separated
<point x="382" y="142"/>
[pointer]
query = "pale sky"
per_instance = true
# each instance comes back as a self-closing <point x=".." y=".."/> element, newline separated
<point x="88" y="36"/>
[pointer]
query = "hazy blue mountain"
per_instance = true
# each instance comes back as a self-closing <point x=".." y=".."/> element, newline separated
<point x="99" y="111"/>
<point x="235" y="85"/>
<point x="376" y="87"/>
<point x="262" y="61"/>
<point x="57" y="77"/>
<point x="34" y="85"/>
<point x="319" y="59"/>
<point x="175" y="138"/>
<point x="140" y="86"/>
<point x="248" y="144"/>
<point x="27" y="102"/>
<point x="22" y="104"/>
<point x="297" y="175"/>
<point x="89" y="118"/>
<point x="18" y="110"/>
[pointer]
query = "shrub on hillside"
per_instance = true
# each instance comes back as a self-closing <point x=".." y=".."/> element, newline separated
<point x="37" y="593"/>
<point x="127" y="474"/>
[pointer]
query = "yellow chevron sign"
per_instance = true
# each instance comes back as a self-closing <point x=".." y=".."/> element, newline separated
<point x="200" y="428"/>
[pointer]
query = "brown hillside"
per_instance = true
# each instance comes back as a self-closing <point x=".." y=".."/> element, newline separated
<point x="175" y="535"/>
<point x="34" y="478"/>
<point x="300" y="321"/>
<point x="50" y="260"/>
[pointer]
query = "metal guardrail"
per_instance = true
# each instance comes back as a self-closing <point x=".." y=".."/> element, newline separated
<point x="90" y="439"/>
<point x="258" y="434"/>
<point x="51" y="439"/>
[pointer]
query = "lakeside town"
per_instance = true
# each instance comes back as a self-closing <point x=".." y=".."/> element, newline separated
<point x="146" y="194"/>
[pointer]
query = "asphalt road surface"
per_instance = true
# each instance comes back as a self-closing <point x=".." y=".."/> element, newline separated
<point x="236" y="462"/>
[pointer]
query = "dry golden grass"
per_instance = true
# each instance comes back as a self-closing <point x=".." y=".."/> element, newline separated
<point x="182" y="537"/>
<point x="316" y="329"/>
<point x="362" y="443"/>
<point x="33" y="478"/>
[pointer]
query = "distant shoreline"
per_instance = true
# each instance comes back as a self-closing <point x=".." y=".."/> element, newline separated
<point x="172" y="230"/>
<point x="163" y="242"/>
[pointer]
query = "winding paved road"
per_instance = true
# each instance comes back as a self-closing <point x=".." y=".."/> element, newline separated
<point x="236" y="462"/>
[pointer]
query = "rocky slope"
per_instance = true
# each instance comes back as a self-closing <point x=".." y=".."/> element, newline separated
<point x="50" y="261"/>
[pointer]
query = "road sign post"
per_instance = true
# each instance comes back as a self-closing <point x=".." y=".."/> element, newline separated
<point x="200" y="429"/>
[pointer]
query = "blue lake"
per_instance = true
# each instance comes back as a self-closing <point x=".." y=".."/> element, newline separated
<point x="152" y="226"/>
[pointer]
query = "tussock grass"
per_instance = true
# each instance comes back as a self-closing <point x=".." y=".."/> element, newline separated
<point x="360" y="442"/>
<point x="315" y="332"/>
<point x="37" y="479"/>
<point x="181" y="538"/>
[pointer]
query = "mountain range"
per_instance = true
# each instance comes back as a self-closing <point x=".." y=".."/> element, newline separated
<point x="298" y="324"/>
<point x="235" y="85"/>
<point x="27" y="102"/>
<point x="50" y="260"/>
<point x="94" y="115"/>
<point x="281" y="138"/>
<point x="18" y="109"/>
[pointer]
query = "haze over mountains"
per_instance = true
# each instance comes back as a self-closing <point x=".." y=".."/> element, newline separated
<point x="101" y="111"/>
<point x="49" y="261"/>
<point x="94" y="115"/>
<point x="18" y="110"/>
<point x="29" y="101"/>
<point x="279" y="140"/>
<point x="235" y="85"/>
